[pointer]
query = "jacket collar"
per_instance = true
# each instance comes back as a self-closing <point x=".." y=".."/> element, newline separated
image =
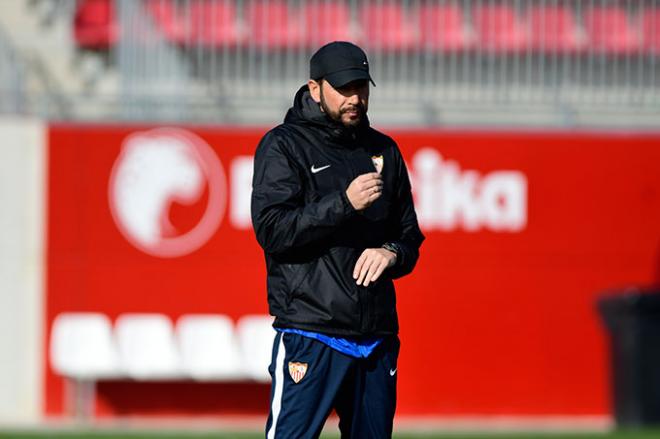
<point x="305" y="111"/>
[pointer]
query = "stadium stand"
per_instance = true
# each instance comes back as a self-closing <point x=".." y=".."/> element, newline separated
<point x="499" y="29"/>
<point x="83" y="347"/>
<point x="650" y="19"/>
<point x="213" y="24"/>
<point x="95" y="25"/>
<point x="273" y="26"/>
<point x="239" y="61"/>
<point x="387" y="26"/>
<point x="554" y="29"/>
<point x="143" y="347"/>
<point x="609" y="31"/>
<point x="443" y="28"/>
<point x="168" y="19"/>
<point x="330" y="21"/>
<point x="147" y="348"/>
<point x="208" y="348"/>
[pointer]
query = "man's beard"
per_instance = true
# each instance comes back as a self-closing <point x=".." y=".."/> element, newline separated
<point x="337" y="115"/>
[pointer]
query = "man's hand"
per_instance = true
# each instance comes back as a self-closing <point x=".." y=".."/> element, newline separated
<point x="371" y="264"/>
<point x="364" y="190"/>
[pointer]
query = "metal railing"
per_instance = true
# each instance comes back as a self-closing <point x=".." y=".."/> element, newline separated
<point x="434" y="61"/>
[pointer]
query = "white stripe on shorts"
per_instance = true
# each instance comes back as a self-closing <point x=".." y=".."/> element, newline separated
<point x="276" y="405"/>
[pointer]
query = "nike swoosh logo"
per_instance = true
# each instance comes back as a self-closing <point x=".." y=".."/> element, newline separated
<point x="392" y="372"/>
<point x="315" y="170"/>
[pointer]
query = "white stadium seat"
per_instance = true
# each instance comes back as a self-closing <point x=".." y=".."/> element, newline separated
<point x="255" y="335"/>
<point x="208" y="347"/>
<point x="204" y="347"/>
<point x="82" y="346"/>
<point x="147" y="347"/>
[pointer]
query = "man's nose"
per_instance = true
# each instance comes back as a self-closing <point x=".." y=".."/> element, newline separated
<point x="353" y="98"/>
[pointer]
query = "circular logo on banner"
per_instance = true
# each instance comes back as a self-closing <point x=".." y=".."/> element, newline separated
<point x="167" y="192"/>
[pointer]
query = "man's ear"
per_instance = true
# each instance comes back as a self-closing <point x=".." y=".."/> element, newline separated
<point x="314" y="90"/>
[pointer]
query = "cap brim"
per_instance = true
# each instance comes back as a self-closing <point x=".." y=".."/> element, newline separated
<point x="343" y="77"/>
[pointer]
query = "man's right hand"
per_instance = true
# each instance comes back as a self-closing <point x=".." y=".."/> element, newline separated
<point x="364" y="190"/>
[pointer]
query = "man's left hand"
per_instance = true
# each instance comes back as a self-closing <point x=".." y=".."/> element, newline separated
<point x="371" y="264"/>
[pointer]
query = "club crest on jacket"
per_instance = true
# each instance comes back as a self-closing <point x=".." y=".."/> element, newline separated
<point x="297" y="371"/>
<point x="378" y="163"/>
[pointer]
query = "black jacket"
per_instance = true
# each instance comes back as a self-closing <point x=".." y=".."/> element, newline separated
<point x="312" y="236"/>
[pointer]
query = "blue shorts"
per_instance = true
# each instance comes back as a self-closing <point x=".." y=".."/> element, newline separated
<point x="309" y="379"/>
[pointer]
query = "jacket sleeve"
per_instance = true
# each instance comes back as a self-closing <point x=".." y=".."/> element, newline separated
<point x="410" y="236"/>
<point x="281" y="217"/>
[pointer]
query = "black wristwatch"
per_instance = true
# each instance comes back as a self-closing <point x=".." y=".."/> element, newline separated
<point x="392" y="247"/>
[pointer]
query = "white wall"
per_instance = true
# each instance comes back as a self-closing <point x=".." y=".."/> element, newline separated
<point x="22" y="232"/>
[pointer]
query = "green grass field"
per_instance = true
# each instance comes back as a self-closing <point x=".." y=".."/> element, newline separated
<point x="81" y="434"/>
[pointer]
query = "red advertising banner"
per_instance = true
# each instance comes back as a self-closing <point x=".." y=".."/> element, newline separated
<point x="524" y="232"/>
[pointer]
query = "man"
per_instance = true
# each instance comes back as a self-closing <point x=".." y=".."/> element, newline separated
<point x="333" y="211"/>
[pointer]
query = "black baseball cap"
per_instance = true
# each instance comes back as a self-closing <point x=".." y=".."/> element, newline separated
<point x="339" y="63"/>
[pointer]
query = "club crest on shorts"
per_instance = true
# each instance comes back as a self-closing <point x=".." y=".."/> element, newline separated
<point x="378" y="162"/>
<point x="297" y="371"/>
